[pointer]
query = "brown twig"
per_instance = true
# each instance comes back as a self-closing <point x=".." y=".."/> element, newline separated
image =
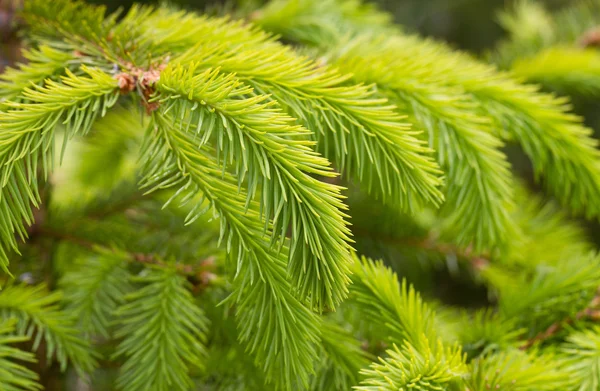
<point x="589" y="312"/>
<point x="190" y="270"/>
<point x="477" y="261"/>
<point x="431" y="243"/>
<point x="116" y="207"/>
<point x="202" y="271"/>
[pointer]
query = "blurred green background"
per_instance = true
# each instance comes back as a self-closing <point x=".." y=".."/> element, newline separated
<point x="470" y="25"/>
<point x="466" y="24"/>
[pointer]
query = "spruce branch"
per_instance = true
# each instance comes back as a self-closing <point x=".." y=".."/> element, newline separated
<point x="98" y="176"/>
<point x="42" y="63"/>
<point x="534" y="28"/>
<point x="377" y="292"/>
<point x="240" y="130"/>
<point x="373" y="145"/>
<point x="86" y="30"/>
<point x="477" y="170"/>
<point x="580" y="355"/>
<point x="162" y="309"/>
<point x="431" y="242"/>
<point x="487" y="331"/>
<point x="517" y="370"/>
<point x="546" y="296"/>
<point x="422" y="360"/>
<point x="59" y="19"/>
<point x="94" y="289"/>
<point x="479" y="193"/>
<point x="550" y="235"/>
<point x="27" y="142"/>
<point x="566" y="70"/>
<point x="266" y="306"/>
<point x="315" y="22"/>
<point x="530" y="26"/>
<point x="423" y="368"/>
<point x="559" y="146"/>
<point x="343" y="361"/>
<point x="268" y="152"/>
<point x="14" y="376"/>
<point x="39" y="317"/>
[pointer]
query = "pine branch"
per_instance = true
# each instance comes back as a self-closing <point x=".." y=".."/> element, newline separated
<point x="40" y="318"/>
<point x="163" y="310"/>
<point x="314" y="22"/>
<point x="479" y="193"/>
<point x="558" y="145"/>
<point x="27" y="142"/>
<point x="373" y="146"/>
<point x="94" y="289"/>
<point x="378" y="293"/>
<point x="518" y="371"/>
<point x="486" y="331"/>
<point x="342" y="359"/>
<point x="532" y="29"/>
<point x="592" y="311"/>
<point x="43" y="63"/>
<point x="422" y="361"/>
<point x="478" y="172"/>
<point x="563" y="69"/>
<point x="581" y="358"/>
<point x="267" y="152"/>
<point x="425" y="368"/>
<point x="85" y="30"/>
<point x="266" y="308"/>
<point x="13" y="375"/>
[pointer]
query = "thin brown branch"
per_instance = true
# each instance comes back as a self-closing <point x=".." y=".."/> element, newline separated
<point x="202" y="271"/>
<point x="477" y="261"/>
<point x="117" y="207"/>
<point x="431" y="243"/>
<point x="66" y="237"/>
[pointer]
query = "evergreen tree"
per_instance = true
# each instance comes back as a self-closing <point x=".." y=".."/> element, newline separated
<point x="199" y="202"/>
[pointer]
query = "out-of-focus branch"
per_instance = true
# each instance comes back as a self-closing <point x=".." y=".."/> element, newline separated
<point x="592" y="311"/>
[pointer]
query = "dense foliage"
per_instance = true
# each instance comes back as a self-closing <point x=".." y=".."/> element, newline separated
<point x="194" y="202"/>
